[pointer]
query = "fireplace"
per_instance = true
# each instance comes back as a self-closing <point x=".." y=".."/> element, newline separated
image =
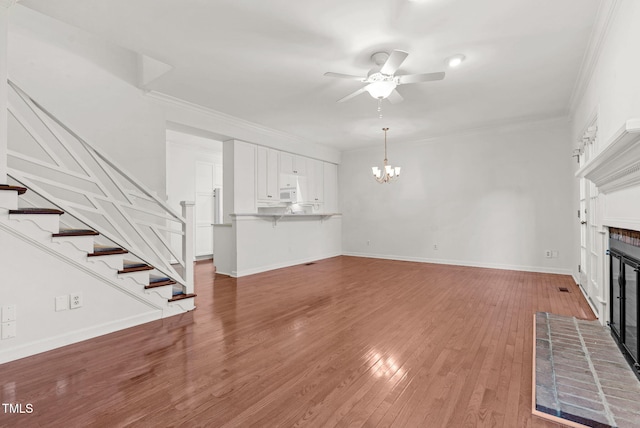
<point x="624" y="252"/>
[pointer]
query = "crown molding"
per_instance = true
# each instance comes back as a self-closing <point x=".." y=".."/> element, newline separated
<point x="253" y="132"/>
<point x="604" y="19"/>
<point x="618" y="165"/>
<point x="223" y="117"/>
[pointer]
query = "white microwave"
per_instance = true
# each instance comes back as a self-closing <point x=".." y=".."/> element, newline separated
<point x="288" y="194"/>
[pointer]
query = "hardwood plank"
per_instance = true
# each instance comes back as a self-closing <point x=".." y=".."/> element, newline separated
<point x="344" y="342"/>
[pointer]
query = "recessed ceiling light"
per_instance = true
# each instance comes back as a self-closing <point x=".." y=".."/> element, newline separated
<point x="454" y="61"/>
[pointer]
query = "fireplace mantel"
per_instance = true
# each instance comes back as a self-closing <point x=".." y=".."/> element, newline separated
<point x="618" y="165"/>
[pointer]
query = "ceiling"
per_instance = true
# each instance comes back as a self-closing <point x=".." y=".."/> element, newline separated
<point x="263" y="61"/>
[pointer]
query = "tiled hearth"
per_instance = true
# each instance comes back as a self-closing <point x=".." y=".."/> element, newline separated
<point x="581" y="375"/>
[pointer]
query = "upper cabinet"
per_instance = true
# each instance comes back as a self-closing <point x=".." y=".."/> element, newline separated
<point x="292" y="164"/>
<point x="254" y="176"/>
<point x="268" y="189"/>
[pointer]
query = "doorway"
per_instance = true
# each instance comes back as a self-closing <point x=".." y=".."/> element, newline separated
<point x="194" y="172"/>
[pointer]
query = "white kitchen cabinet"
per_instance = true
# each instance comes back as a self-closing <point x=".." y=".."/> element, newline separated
<point x="315" y="181"/>
<point x="330" y="180"/>
<point x="239" y="181"/>
<point x="293" y="164"/>
<point x="267" y="175"/>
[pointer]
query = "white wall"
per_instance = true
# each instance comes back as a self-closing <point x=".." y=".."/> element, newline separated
<point x="613" y="92"/>
<point x="33" y="281"/>
<point x="613" y="95"/>
<point x="89" y="85"/>
<point x="496" y="198"/>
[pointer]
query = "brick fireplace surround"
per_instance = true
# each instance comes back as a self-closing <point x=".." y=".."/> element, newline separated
<point x="581" y="376"/>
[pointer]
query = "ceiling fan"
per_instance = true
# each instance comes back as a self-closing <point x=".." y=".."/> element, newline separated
<point x="382" y="80"/>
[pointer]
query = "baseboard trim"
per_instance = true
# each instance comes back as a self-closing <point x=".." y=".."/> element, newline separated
<point x="50" y="343"/>
<point x="575" y="278"/>
<point x="252" y="271"/>
<point x="536" y="269"/>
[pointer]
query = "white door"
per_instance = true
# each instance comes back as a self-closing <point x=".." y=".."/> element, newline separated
<point x="204" y="209"/>
<point x="591" y="240"/>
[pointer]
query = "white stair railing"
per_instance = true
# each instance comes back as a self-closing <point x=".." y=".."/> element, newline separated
<point x="57" y="164"/>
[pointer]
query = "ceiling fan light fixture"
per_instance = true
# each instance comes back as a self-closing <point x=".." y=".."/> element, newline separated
<point x="455" y="60"/>
<point x="381" y="89"/>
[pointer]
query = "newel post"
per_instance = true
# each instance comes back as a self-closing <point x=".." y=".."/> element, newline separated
<point x="5" y="5"/>
<point x="188" y="243"/>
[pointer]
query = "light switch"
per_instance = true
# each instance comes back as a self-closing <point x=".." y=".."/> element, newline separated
<point x="8" y="330"/>
<point x="62" y="303"/>
<point x="8" y="313"/>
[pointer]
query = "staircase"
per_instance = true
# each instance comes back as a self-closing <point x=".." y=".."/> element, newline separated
<point x="73" y="222"/>
<point x="42" y="227"/>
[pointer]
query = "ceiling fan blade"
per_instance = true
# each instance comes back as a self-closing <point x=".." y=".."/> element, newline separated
<point x="395" y="97"/>
<point x="353" y="94"/>
<point x="344" y="76"/>
<point x="393" y="62"/>
<point x="417" y="78"/>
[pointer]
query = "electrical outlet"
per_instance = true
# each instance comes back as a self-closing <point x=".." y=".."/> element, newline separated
<point x="548" y="254"/>
<point x="368" y="243"/>
<point x="435" y="247"/>
<point x="8" y="330"/>
<point x="8" y="313"/>
<point x="62" y="303"/>
<point x="75" y="300"/>
<point x="555" y="254"/>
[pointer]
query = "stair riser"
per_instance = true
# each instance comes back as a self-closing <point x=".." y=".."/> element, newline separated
<point x="178" y="307"/>
<point x="139" y="278"/>
<point x="46" y="222"/>
<point x="82" y="243"/>
<point x="113" y="261"/>
<point x="32" y="229"/>
<point x="8" y="200"/>
<point x="163" y="292"/>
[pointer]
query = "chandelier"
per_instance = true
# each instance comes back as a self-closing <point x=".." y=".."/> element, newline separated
<point x="387" y="173"/>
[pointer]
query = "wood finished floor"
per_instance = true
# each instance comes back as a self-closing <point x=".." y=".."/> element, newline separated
<point x="343" y="342"/>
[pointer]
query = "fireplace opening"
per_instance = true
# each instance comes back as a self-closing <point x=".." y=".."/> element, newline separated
<point x="624" y="252"/>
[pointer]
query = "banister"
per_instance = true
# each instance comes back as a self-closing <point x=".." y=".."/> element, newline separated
<point x="103" y="156"/>
<point x="124" y="210"/>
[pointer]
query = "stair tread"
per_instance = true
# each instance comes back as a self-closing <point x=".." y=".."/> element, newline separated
<point x="19" y="189"/>
<point x="153" y="278"/>
<point x="36" y="211"/>
<point x="106" y="251"/>
<point x="135" y="267"/>
<point x="160" y="283"/>
<point x="182" y="296"/>
<point x="75" y="232"/>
